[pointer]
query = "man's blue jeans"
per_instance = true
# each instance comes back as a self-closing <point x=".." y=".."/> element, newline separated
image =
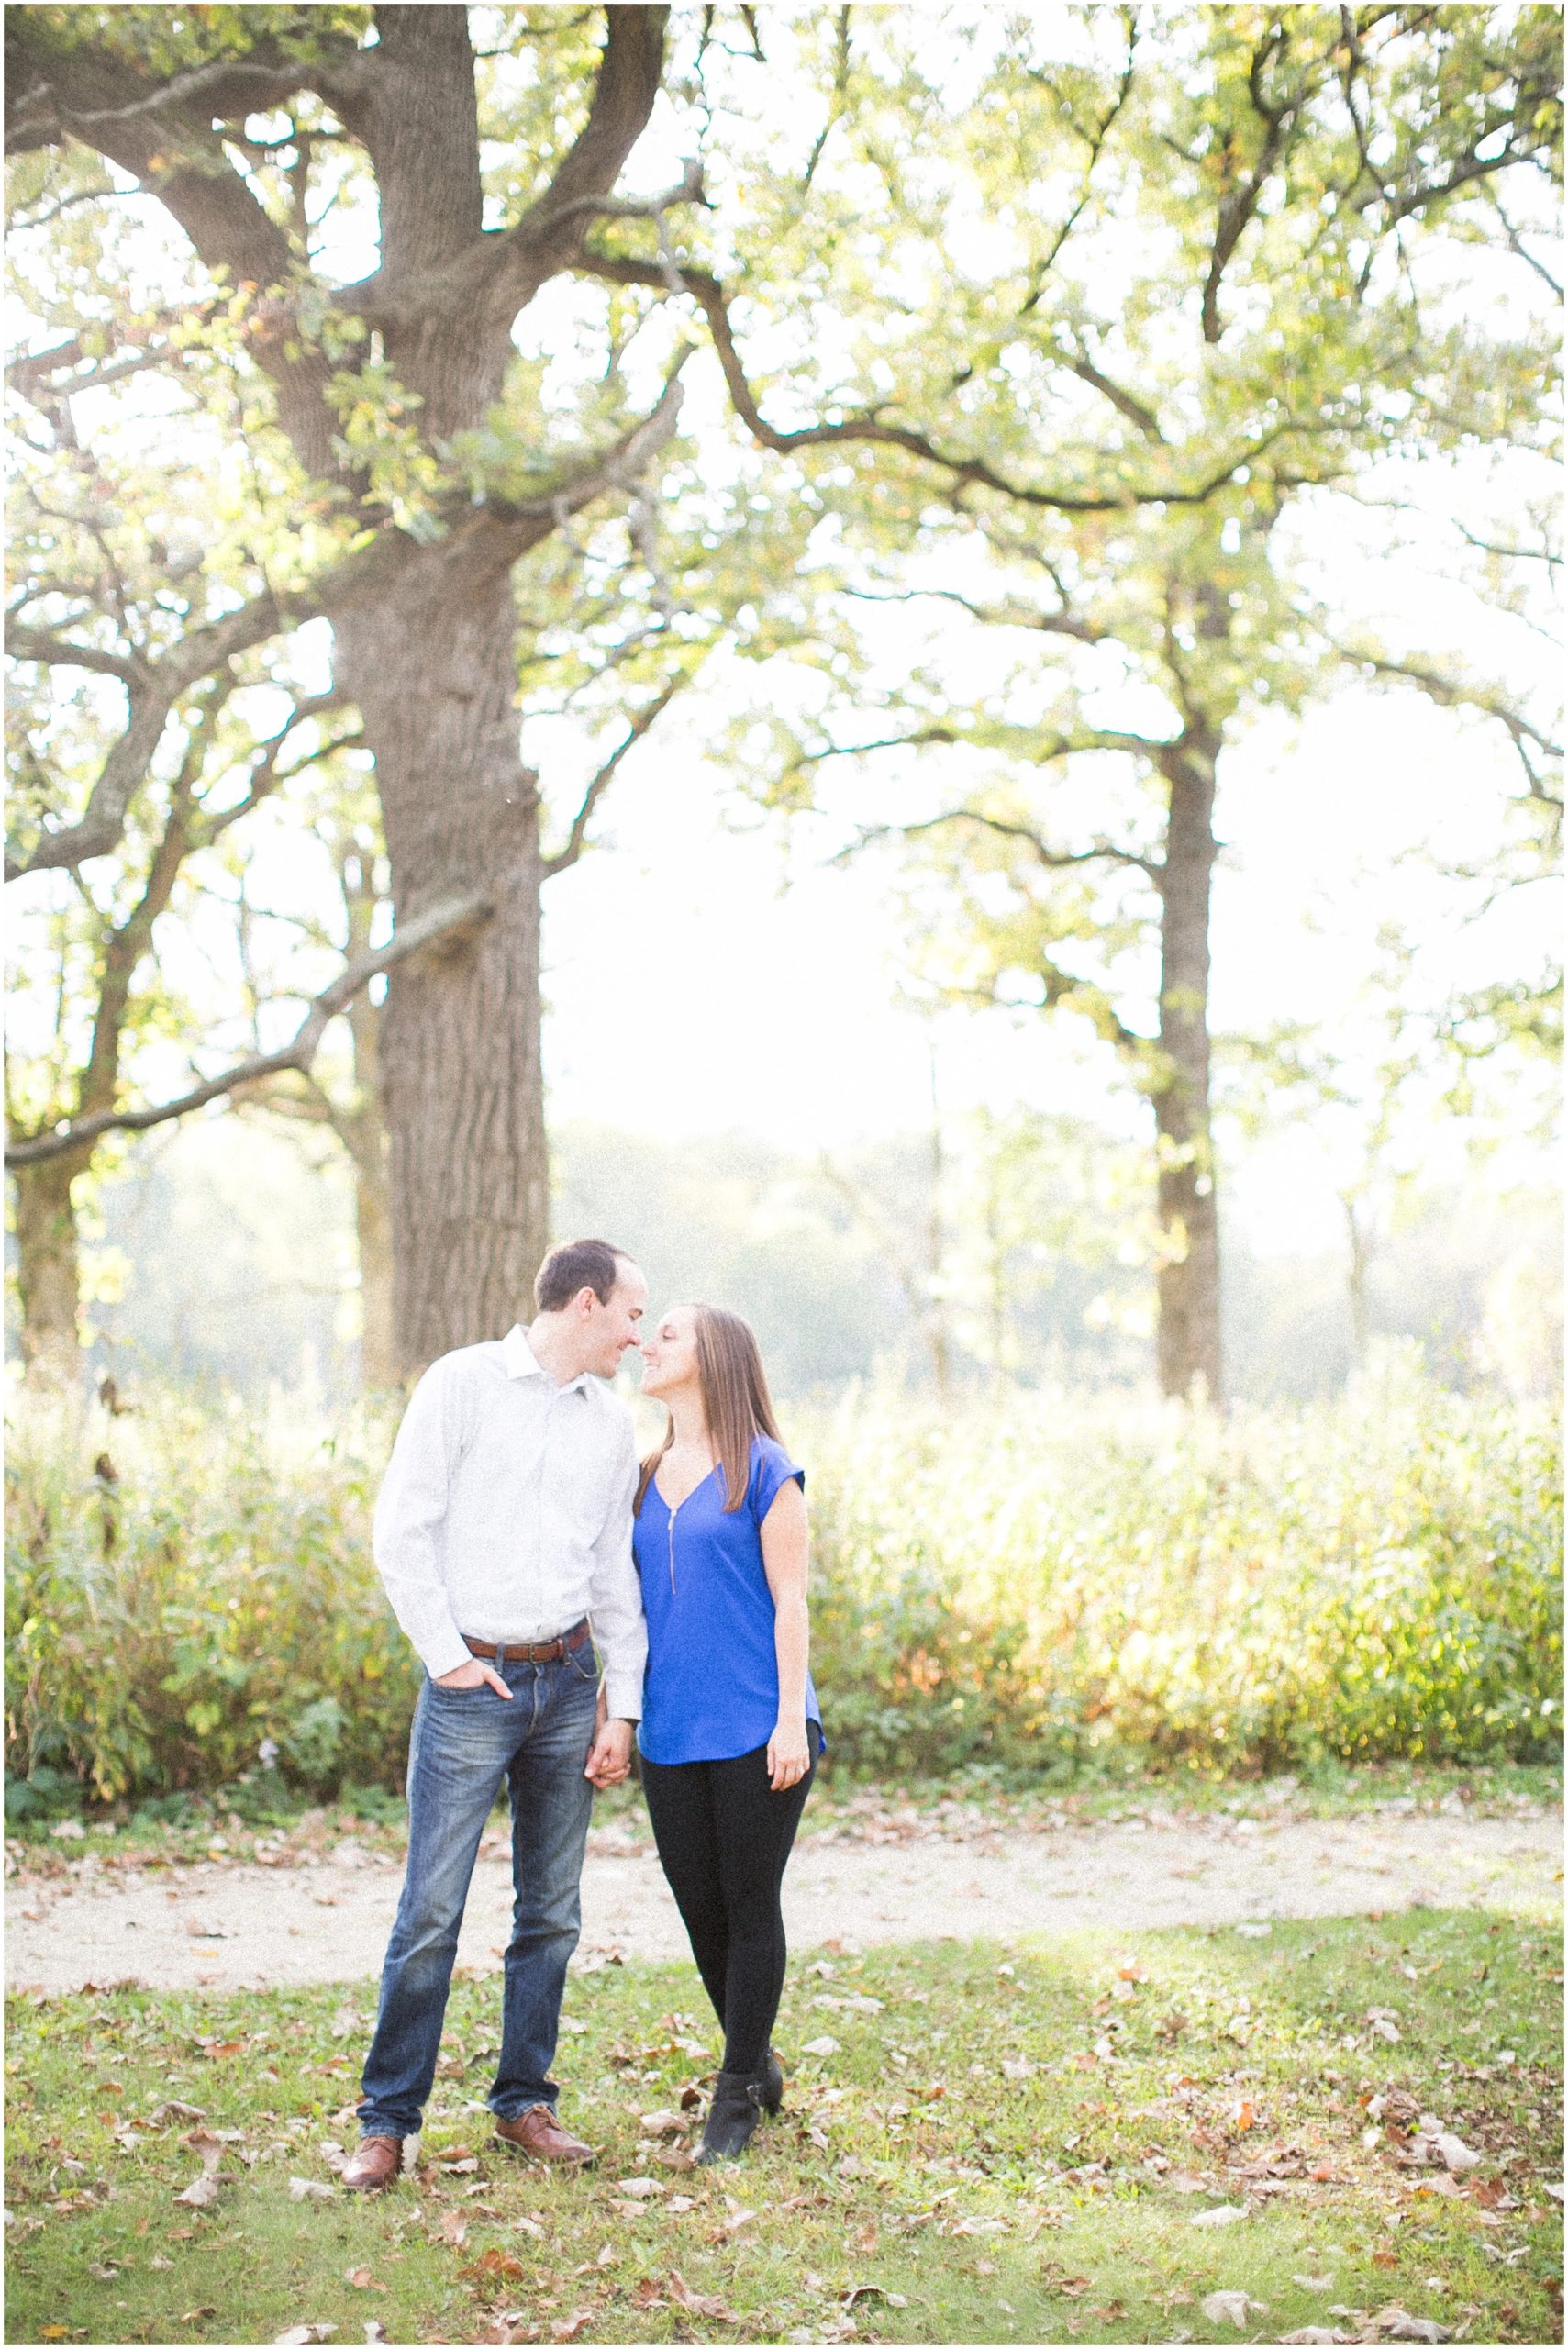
<point x="464" y="1742"/>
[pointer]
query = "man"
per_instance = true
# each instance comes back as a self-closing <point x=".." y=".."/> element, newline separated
<point x="502" y="1532"/>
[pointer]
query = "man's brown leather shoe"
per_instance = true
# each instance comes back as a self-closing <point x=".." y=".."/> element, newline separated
<point x="539" y="2135"/>
<point x="374" y="2162"/>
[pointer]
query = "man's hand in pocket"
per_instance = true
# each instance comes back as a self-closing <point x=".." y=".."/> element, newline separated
<point x="474" y="1675"/>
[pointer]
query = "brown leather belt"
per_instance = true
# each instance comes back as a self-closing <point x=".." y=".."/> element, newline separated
<point x="539" y="1652"/>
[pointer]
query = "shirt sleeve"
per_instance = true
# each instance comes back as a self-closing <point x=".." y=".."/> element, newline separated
<point x="772" y="1469"/>
<point x="614" y="1593"/>
<point x="409" y="1514"/>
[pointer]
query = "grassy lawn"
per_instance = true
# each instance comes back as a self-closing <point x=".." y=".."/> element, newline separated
<point x="1005" y="2143"/>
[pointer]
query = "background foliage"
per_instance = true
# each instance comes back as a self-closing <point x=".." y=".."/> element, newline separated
<point x="1037" y="1585"/>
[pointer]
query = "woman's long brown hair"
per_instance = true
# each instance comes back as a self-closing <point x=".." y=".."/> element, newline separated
<point x="735" y="1400"/>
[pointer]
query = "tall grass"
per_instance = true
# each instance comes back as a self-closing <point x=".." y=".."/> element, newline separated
<point x="1044" y="1581"/>
<point x="1039" y="1584"/>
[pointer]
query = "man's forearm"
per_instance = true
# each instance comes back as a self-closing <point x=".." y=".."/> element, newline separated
<point x="620" y="1636"/>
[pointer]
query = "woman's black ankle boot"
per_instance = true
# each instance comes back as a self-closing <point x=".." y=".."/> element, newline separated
<point x="732" y="2116"/>
<point x="772" y="2083"/>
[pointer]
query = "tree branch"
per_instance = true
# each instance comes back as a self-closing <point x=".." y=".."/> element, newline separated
<point x="1547" y="554"/>
<point x="1041" y="754"/>
<point x="1084" y="367"/>
<point x="1101" y="852"/>
<point x="97" y="832"/>
<point x="867" y="427"/>
<point x="1518" y="247"/>
<point x="502" y="271"/>
<point x="424" y="929"/>
<point x="688" y="189"/>
<point x="1008" y="615"/>
<point x="64" y="85"/>
<point x="599" y="783"/>
<point x="1455" y="693"/>
<point x="267" y="776"/>
<point x="25" y="642"/>
<point x="1240" y="203"/>
<point x="337" y="71"/>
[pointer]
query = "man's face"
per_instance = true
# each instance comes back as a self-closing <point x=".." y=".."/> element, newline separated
<point x="613" y="1326"/>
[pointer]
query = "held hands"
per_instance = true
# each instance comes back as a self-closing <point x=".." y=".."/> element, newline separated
<point x="474" y="1675"/>
<point x="789" y="1754"/>
<point x="609" y="1756"/>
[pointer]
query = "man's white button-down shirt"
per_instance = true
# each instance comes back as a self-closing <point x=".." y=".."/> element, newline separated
<point x="506" y="1513"/>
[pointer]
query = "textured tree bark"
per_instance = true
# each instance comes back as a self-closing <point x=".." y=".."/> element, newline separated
<point x="1187" y="1344"/>
<point x="432" y="670"/>
<point x="372" y="1233"/>
<point x="362" y="1131"/>
<point x="48" y="1273"/>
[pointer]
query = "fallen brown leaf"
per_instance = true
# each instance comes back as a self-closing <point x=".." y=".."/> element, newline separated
<point x="1233" y="2308"/>
<point x="454" y="2230"/>
<point x="1395" y="2323"/>
<point x="499" y="2263"/>
<point x="707" y="2304"/>
<point x="570" y="2328"/>
<point x="202" y="2192"/>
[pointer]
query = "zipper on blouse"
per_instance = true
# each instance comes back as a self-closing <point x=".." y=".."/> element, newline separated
<point x="671" y="1526"/>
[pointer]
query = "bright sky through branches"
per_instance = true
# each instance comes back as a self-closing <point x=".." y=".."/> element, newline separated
<point x="774" y="1010"/>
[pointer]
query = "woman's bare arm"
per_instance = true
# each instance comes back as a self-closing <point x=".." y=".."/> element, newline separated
<point x="785" y="1562"/>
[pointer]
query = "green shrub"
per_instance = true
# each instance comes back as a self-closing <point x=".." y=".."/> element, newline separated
<point x="215" y="1597"/>
<point x="1044" y="1582"/>
<point x="1037" y="1584"/>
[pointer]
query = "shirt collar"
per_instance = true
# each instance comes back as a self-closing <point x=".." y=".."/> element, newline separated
<point x="517" y="1361"/>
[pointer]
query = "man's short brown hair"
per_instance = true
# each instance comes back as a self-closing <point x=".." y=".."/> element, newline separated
<point x="577" y="1265"/>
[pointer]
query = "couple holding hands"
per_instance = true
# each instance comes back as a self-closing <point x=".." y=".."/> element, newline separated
<point x="564" y="1598"/>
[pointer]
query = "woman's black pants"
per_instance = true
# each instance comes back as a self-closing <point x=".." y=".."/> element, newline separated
<point x="723" y="1838"/>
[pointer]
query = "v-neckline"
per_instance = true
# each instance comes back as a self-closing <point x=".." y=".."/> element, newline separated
<point x="680" y="1504"/>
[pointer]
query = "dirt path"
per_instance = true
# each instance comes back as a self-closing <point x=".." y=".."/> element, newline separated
<point x="231" y="1926"/>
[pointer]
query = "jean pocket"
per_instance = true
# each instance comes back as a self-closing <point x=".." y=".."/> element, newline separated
<point x="584" y="1661"/>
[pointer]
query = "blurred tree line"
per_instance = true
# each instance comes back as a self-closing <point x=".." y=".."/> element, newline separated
<point x="349" y="423"/>
<point x="230" y="1271"/>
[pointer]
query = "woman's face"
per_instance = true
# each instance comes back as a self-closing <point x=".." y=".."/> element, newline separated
<point x="669" y="1351"/>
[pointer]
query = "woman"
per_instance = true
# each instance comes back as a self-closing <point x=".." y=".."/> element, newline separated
<point x="730" y="1728"/>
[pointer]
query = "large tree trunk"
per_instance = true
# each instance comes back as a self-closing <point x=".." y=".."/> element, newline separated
<point x="433" y="671"/>
<point x="378" y="1327"/>
<point x="431" y="662"/>
<point x="1187" y="1344"/>
<point x="48" y="1273"/>
<point x="362" y="1131"/>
